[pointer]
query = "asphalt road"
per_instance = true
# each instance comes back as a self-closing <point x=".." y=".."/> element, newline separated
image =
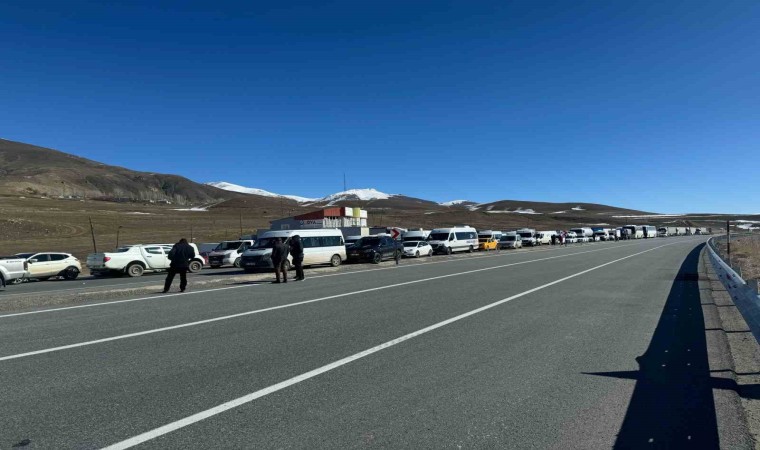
<point x="517" y="350"/>
<point x="86" y="283"/>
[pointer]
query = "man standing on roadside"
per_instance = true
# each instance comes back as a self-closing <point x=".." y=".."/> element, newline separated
<point x="180" y="256"/>
<point x="280" y="260"/>
<point x="296" y="251"/>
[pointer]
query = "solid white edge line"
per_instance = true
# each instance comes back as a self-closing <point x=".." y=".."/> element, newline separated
<point x="163" y="296"/>
<point x="173" y="426"/>
<point x="273" y="308"/>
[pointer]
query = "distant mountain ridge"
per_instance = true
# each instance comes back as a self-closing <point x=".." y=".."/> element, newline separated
<point x="28" y="170"/>
<point x="31" y="170"/>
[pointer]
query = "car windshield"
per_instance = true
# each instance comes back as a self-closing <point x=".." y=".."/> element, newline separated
<point x="508" y="238"/>
<point x="438" y="236"/>
<point x="223" y="246"/>
<point x="526" y="235"/>
<point x="367" y="242"/>
<point x="266" y="242"/>
<point x="411" y="243"/>
<point x="25" y="255"/>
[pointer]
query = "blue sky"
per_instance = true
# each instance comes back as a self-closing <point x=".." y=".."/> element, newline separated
<point x="647" y="105"/>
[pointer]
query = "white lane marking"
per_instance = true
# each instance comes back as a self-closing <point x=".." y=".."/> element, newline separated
<point x="173" y="426"/>
<point x="164" y="296"/>
<point x="274" y="308"/>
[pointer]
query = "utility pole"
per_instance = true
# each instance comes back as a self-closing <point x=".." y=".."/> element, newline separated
<point x="117" y="235"/>
<point x="728" y="240"/>
<point x="92" y="231"/>
<point x="191" y="232"/>
<point x="344" y="182"/>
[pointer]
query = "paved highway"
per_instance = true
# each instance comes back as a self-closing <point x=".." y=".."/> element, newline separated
<point x="89" y="283"/>
<point x="516" y="350"/>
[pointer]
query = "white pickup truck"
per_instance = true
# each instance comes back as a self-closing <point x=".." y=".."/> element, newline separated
<point x="13" y="268"/>
<point x="134" y="260"/>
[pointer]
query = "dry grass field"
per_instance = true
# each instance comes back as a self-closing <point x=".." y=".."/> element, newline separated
<point x="35" y="224"/>
<point x="745" y="251"/>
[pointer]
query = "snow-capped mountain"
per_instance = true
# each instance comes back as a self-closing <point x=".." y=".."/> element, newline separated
<point x="357" y="194"/>
<point x="255" y="191"/>
<point x="351" y="194"/>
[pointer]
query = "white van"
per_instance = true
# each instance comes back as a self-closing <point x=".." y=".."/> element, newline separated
<point x="415" y="235"/>
<point x="320" y="246"/>
<point x="457" y="239"/>
<point x="544" y="237"/>
<point x="583" y="231"/>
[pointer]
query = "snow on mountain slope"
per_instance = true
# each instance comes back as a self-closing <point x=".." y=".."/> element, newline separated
<point x="454" y="202"/>
<point x="351" y="194"/>
<point x="255" y="191"/>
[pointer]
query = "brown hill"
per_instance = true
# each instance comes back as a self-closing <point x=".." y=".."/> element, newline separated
<point x="37" y="171"/>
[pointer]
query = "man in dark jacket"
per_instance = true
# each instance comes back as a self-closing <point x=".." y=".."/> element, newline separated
<point x="296" y="250"/>
<point x="280" y="260"/>
<point x="180" y="256"/>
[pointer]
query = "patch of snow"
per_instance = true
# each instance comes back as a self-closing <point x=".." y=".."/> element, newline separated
<point x="517" y="211"/>
<point x="474" y="207"/>
<point x="559" y="212"/>
<point x="578" y="208"/>
<point x="255" y="191"/>
<point x="599" y="224"/>
<point x="140" y="213"/>
<point x="195" y="208"/>
<point x="454" y="202"/>
<point x="648" y="216"/>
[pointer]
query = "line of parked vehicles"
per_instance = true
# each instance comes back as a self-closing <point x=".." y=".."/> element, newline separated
<point x="321" y="247"/>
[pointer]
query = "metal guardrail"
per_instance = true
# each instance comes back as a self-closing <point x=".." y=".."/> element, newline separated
<point x="745" y="295"/>
<point x="718" y="245"/>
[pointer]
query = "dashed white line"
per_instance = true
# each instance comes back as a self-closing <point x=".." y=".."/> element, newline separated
<point x="274" y="308"/>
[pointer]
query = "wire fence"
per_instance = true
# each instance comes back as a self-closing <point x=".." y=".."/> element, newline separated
<point x="744" y="257"/>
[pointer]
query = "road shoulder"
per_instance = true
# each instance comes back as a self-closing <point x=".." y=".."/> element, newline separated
<point x="734" y="359"/>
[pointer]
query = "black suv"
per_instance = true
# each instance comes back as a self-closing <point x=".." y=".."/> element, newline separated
<point x="374" y="249"/>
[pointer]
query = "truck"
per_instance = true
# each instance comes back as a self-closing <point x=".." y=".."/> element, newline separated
<point x="228" y="253"/>
<point x="135" y="260"/>
<point x="13" y="268"/>
<point x="528" y="236"/>
<point x="632" y="232"/>
<point x="650" y="231"/>
<point x="702" y="230"/>
<point x="601" y="234"/>
<point x="544" y="237"/>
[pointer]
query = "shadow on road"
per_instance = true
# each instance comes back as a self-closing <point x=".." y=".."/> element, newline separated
<point x="672" y="405"/>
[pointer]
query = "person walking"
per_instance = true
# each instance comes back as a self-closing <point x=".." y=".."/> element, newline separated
<point x="180" y="256"/>
<point x="280" y="260"/>
<point x="296" y="251"/>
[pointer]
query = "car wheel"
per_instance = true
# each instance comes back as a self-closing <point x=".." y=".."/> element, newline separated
<point x="335" y="261"/>
<point x="448" y="250"/>
<point x="417" y="254"/>
<point x="135" y="270"/>
<point x="430" y="254"/>
<point x="237" y="263"/>
<point x="195" y="266"/>
<point x="377" y="258"/>
<point x="71" y="273"/>
<point x="471" y="249"/>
